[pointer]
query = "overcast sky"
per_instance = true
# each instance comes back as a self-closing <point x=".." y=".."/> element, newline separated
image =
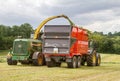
<point x="95" y="15"/>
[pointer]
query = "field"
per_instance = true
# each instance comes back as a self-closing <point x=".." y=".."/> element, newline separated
<point x="108" y="71"/>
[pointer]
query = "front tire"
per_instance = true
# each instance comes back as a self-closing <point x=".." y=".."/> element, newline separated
<point x="9" y="61"/>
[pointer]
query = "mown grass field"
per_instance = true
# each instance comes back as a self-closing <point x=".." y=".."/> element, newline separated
<point x="108" y="71"/>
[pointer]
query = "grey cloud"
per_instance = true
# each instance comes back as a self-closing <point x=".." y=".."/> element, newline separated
<point x="82" y="12"/>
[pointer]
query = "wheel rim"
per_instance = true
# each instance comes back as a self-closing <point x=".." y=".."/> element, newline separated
<point x="40" y="60"/>
<point x="94" y="59"/>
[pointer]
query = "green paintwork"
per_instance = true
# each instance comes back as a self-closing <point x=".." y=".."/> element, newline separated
<point x="23" y="48"/>
<point x="20" y="57"/>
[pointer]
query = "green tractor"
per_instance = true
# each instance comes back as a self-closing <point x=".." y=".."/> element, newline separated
<point x="26" y="51"/>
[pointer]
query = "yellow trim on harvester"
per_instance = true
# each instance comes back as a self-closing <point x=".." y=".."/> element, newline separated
<point x="48" y="19"/>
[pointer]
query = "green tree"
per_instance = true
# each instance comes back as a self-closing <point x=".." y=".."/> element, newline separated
<point x="25" y="30"/>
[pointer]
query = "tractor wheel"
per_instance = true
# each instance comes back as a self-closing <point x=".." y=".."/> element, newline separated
<point x="72" y="64"/>
<point x="91" y="59"/>
<point x="50" y="63"/>
<point x="78" y="61"/>
<point x="98" y="60"/>
<point x="39" y="61"/>
<point x="9" y="61"/>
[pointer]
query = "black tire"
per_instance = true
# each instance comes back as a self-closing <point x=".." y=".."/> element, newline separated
<point x="39" y="61"/>
<point x="91" y="59"/>
<point x="9" y="61"/>
<point x="73" y="64"/>
<point x="78" y="61"/>
<point x="50" y="63"/>
<point x="98" y="60"/>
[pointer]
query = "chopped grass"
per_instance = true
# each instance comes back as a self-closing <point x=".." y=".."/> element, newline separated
<point x="108" y="71"/>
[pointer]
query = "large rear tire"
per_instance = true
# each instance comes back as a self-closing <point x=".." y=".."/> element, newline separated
<point x="91" y="59"/>
<point x="73" y="64"/>
<point x="39" y="61"/>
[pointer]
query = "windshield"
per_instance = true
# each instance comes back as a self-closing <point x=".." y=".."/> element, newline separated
<point x="20" y="47"/>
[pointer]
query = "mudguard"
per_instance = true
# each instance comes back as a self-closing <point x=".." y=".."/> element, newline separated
<point x="35" y="55"/>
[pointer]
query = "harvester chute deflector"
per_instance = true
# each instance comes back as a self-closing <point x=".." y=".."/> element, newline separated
<point x="48" y="19"/>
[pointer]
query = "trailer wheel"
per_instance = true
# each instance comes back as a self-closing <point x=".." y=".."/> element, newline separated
<point x="98" y="60"/>
<point x="91" y="59"/>
<point x="9" y="61"/>
<point x="39" y="61"/>
<point x="72" y="64"/>
<point x="78" y="61"/>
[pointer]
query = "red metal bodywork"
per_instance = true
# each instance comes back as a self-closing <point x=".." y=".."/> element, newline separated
<point x="79" y="47"/>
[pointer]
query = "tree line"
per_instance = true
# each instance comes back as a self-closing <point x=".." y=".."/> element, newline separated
<point x="8" y="34"/>
<point x="106" y="43"/>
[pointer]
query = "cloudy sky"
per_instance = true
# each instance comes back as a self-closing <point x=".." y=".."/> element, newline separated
<point x="95" y="15"/>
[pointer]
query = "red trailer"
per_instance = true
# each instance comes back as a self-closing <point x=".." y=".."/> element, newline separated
<point x="65" y="43"/>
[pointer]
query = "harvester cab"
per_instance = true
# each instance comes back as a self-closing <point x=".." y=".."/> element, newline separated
<point x="26" y="51"/>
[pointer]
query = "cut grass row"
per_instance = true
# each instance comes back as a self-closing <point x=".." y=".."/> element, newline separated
<point x="108" y="71"/>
